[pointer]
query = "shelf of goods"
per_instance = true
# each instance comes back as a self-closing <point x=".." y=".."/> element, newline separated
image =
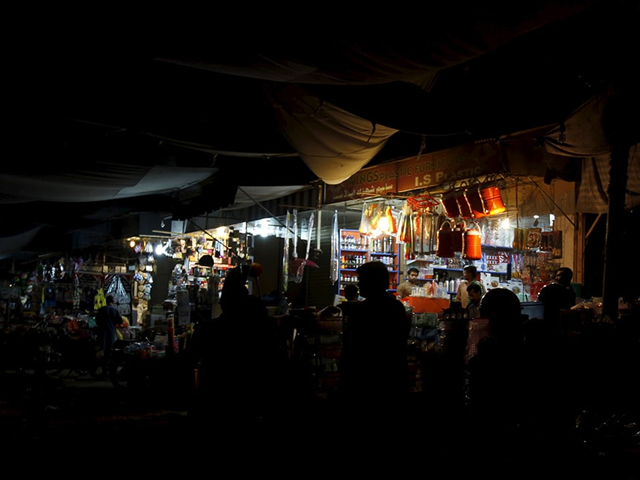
<point x="199" y="277"/>
<point x="494" y="268"/>
<point x="356" y="249"/>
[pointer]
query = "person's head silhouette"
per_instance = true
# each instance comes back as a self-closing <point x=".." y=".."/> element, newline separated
<point x="373" y="279"/>
<point x="504" y="311"/>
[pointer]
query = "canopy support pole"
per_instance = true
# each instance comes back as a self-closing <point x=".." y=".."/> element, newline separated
<point x="618" y="124"/>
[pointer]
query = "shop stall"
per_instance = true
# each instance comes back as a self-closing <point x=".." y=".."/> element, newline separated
<point x="462" y="207"/>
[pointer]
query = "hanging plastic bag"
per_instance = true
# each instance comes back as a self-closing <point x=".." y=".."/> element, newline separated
<point x="120" y="295"/>
<point x="404" y="230"/>
<point x="368" y="213"/>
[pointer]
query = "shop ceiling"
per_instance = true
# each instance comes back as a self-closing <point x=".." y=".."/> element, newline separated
<point x="107" y="124"/>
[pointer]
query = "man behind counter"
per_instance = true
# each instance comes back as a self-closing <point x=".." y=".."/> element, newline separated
<point x="404" y="289"/>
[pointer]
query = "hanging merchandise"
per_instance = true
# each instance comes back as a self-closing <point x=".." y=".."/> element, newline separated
<point x="492" y="200"/>
<point x="533" y="238"/>
<point x="391" y="227"/>
<point x="472" y="245"/>
<point x="434" y="223"/>
<point x="300" y="264"/>
<point x="450" y="204"/>
<point x="428" y="232"/>
<point x="519" y="238"/>
<point x="365" y="219"/>
<point x="294" y="273"/>
<point x="423" y="232"/>
<point x="444" y="247"/>
<point x="100" y="300"/>
<point x="456" y="236"/>
<point x="474" y="200"/>
<point x="295" y="234"/>
<point x="463" y="205"/>
<point x="309" y="235"/>
<point x="372" y="213"/>
<point x="120" y="295"/>
<point x="417" y="229"/>
<point x="404" y="230"/>
<point x="285" y="253"/>
<point x="491" y="231"/>
<point x="335" y="249"/>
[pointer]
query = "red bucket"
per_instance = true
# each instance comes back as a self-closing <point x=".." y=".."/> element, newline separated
<point x="463" y="205"/>
<point x="450" y="205"/>
<point x="456" y="237"/>
<point x="444" y="241"/>
<point x="474" y="199"/>
<point x="472" y="245"/>
<point x="492" y="200"/>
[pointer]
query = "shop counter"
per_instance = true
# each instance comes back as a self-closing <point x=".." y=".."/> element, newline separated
<point x="428" y="304"/>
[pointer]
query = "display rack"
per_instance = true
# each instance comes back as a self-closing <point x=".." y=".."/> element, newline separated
<point x="356" y="249"/>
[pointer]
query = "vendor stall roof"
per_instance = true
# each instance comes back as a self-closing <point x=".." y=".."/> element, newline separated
<point x="172" y="117"/>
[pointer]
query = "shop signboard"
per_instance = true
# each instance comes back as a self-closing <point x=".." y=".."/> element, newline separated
<point x="420" y="172"/>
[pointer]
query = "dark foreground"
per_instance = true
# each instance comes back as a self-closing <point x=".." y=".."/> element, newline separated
<point x="70" y="417"/>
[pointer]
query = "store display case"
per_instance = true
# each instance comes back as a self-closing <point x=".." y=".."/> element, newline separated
<point x="356" y="249"/>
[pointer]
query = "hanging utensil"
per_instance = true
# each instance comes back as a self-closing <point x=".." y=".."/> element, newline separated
<point x="335" y="249"/>
<point x="299" y="275"/>
<point x="285" y="253"/>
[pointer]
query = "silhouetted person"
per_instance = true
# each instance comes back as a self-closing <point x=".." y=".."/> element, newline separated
<point x="470" y="277"/>
<point x="494" y="373"/>
<point x="557" y="295"/>
<point x="107" y="317"/>
<point x="236" y="358"/>
<point x="352" y="296"/>
<point x="474" y="293"/>
<point x="374" y="379"/>
<point x="351" y="293"/>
